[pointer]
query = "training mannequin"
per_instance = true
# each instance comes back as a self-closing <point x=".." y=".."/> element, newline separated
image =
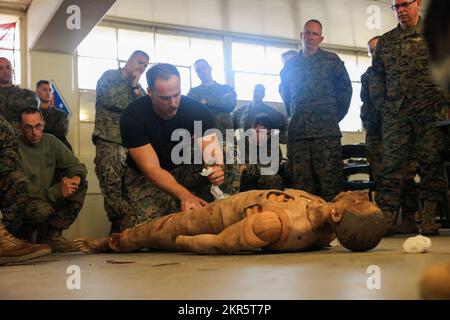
<point x="284" y="221"/>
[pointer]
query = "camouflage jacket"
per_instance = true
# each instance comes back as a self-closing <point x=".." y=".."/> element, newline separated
<point x="244" y="116"/>
<point x="13" y="100"/>
<point x="113" y="95"/>
<point x="57" y="124"/>
<point x="220" y="99"/>
<point x="8" y="147"/>
<point x="370" y="116"/>
<point x="402" y="71"/>
<point x="317" y="92"/>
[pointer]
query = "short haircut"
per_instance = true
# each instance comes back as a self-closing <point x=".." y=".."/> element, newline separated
<point x="259" y="85"/>
<point x="29" y="110"/>
<point x="201" y="60"/>
<point x="4" y="58"/>
<point x="374" y="38"/>
<point x="41" y="82"/>
<point x="139" y="53"/>
<point x="161" y="71"/>
<point x="313" y="21"/>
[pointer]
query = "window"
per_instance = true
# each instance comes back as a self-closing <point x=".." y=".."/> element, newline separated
<point x="108" y="48"/>
<point x="356" y="65"/>
<point x="253" y="64"/>
<point x="10" y="45"/>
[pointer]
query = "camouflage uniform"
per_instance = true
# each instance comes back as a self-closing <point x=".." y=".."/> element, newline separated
<point x="409" y="102"/>
<point x="57" y="124"/>
<point x="317" y="92"/>
<point x="372" y="123"/>
<point x="221" y="100"/>
<point x="40" y="164"/>
<point x="60" y="215"/>
<point x="149" y="202"/>
<point x="252" y="177"/>
<point x="12" y="100"/>
<point x="245" y="116"/>
<point x="114" y="94"/>
<point x="13" y="187"/>
<point x="371" y="120"/>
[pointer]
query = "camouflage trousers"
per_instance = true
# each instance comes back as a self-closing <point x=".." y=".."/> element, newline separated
<point x="412" y="129"/>
<point x="315" y="165"/>
<point x="13" y="199"/>
<point x="252" y="179"/>
<point x="41" y="214"/>
<point x="149" y="202"/>
<point x="374" y="149"/>
<point x="110" y="170"/>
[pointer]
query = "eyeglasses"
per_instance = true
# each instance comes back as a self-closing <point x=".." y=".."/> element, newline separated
<point x="396" y="7"/>
<point x="29" y="127"/>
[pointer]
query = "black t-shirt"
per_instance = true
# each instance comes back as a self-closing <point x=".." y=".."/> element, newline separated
<point x="140" y="125"/>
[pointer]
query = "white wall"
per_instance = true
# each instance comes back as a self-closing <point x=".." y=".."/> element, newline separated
<point x="345" y="21"/>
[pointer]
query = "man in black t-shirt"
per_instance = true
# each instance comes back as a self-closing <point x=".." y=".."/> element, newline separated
<point x="155" y="179"/>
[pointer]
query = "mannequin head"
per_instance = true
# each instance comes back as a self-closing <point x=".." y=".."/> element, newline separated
<point x="358" y="223"/>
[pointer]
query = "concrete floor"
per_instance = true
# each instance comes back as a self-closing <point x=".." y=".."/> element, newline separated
<point x="334" y="273"/>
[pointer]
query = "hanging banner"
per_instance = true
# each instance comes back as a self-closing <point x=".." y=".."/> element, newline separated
<point x="58" y="100"/>
<point x="7" y="36"/>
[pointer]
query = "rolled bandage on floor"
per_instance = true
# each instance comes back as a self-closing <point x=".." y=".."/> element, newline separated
<point x="417" y="244"/>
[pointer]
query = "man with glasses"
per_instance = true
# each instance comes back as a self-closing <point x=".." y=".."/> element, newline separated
<point x="13" y="199"/>
<point x="371" y="119"/>
<point x="52" y="207"/>
<point x="116" y="89"/>
<point x="410" y="104"/>
<point x="12" y="98"/>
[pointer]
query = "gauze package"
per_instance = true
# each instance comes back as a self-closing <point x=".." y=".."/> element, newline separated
<point x="215" y="190"/>
<point x="417" y="244"/>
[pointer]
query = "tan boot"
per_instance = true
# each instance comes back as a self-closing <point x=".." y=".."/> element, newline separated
<point x="16" y="250"/>
<point x="428" y="226"/>
<point x="408" y="224"/>
<point x="58" y="243"/>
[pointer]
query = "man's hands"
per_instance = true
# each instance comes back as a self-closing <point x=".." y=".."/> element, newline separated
<point x="217" y="177"/>
<point x="190" y="202"/>
<point x="69" y="186"/>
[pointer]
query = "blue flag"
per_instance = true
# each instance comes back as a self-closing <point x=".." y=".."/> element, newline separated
<point x="58" y="100"/>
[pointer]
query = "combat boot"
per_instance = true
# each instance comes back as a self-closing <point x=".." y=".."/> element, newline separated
<point x="428" y="226"/>
<point x="16" y="250"/>
<point x="408" y="224"/>
<point x="57" y="242"/>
